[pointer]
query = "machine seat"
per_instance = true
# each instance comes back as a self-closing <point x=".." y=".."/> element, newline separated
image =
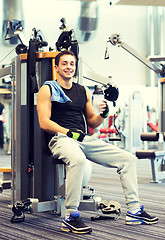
<point x="157" y="158"/>
<point x="56" y="160"/>
<point x="45" y="137"/>
<point x="151" y="154"/>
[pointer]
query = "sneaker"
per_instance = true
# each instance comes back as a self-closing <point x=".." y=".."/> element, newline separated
<point x="75" y="224"/>
<point x="141" y="217"/>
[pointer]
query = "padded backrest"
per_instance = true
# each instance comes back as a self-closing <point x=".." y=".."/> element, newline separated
<point x="45" y="137"/>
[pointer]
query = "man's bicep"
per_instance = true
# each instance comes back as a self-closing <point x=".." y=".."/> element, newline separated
<point x="88" y="108"/>
<point x="44" y="103"/>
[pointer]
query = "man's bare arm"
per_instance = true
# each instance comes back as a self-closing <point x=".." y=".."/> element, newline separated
<point x="44" y="112"/>
<point x="92" y="119"/>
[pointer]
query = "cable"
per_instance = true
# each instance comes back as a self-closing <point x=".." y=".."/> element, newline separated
<point x="7" y="55"/>
<point x="118" y="133"/>
<point x="88" y="66"/>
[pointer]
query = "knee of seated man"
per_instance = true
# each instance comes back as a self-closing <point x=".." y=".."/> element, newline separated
<point x="78" y="160"/>
<point x="128" y="162"/>
<point x="128" y="158"/>
<point x="131" y="159"/>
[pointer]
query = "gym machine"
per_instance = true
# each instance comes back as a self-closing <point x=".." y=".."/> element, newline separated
<point x="36" y="176"/>
<point x="157" y="156"/>
<point x="38" y="179"/>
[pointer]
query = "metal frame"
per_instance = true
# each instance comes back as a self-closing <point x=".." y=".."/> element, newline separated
<point x="158" y="171"/>
<point x="5" y="71"/>
<point x="115" y="39"/>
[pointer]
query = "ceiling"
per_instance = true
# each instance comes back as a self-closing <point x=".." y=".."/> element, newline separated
<point x="142" y="2"/>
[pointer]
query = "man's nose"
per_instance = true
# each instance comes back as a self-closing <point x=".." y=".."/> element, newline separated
<point x="69" y="65"/>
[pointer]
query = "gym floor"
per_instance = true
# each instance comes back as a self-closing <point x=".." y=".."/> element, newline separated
<point x="107" y="185"/>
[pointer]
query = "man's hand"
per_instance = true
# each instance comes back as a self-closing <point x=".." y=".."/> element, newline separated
<point x="76" y="134"/>
<point x="104" y="109"/>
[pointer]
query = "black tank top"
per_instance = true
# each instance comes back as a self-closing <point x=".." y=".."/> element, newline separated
<point x="71" y="114"/>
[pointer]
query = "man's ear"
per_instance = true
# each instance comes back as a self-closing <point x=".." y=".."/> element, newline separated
<point x="56" y="68"/>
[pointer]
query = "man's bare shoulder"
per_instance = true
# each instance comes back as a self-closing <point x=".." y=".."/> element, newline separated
<point x="87" y="92"/>
<point x="45" y="89"/>
<point x="44" y="92"/>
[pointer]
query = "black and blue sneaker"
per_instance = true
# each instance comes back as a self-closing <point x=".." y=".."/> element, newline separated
<point x="141" y="217"/>
<point x="75" y="224"/>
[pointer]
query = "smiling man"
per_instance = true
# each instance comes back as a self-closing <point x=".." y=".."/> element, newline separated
<point x="64" y="109"/>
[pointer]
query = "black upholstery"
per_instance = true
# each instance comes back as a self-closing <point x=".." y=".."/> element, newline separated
<point x="45" y="137"/>
<point x="151" y="136"/>
<point x="152" y="154"/>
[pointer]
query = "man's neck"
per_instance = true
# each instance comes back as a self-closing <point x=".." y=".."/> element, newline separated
<point x="65" y="83"/>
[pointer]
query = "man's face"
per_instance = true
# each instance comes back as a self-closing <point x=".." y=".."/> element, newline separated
<point x="66" y="67"/>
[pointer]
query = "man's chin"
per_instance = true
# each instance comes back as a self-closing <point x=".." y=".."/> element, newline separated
<point x="68" y="77"/>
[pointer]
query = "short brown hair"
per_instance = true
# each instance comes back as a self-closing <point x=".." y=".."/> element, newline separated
<point x="65" y="52"/>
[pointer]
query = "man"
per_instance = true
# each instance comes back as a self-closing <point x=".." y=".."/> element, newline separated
<point x="62" y="106"/>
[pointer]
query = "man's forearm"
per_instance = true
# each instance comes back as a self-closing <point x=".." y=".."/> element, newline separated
<point x="95" y="121"/>
<point x="52" y="127"/>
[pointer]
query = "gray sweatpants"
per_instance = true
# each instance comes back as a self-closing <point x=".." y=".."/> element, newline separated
<point x="75" y="153"/>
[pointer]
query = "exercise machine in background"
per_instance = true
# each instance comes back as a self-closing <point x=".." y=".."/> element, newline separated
<point x="157" y="156"/>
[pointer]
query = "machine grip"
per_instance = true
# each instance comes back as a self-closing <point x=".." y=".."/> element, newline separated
<point x="149" y="136"/>
<point x="153" y="136"/>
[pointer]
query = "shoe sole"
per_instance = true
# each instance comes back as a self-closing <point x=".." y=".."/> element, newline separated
<point x="65" y="229"/>
<point x="137" y="222"/>
<point x="132" y="220"/>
